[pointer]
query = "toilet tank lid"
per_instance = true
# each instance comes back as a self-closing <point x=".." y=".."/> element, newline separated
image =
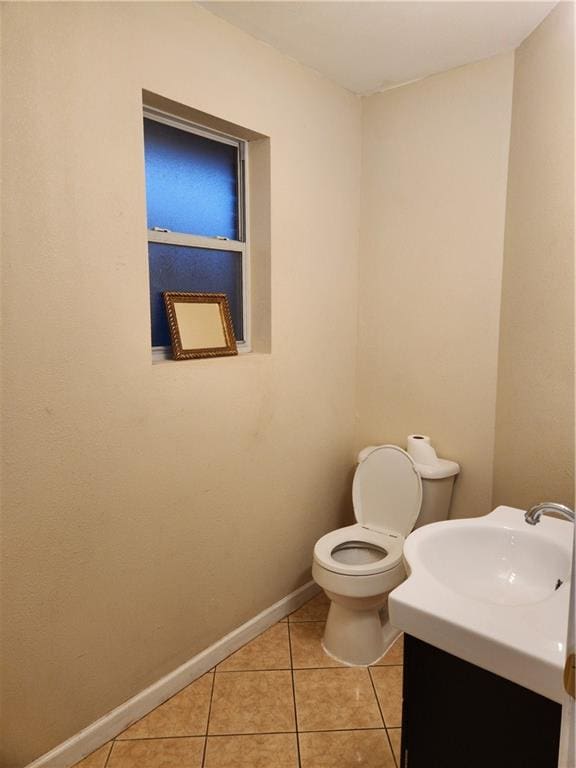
<point x="387" y="490"/>
<point x="440" y="469"/>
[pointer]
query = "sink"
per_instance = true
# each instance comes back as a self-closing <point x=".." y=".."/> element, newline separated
<point x="493" y="591"/>
<point x="494" y="564"/>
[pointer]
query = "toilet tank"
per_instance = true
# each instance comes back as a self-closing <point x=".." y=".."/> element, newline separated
<point x="438" y="477"/>
<point x="436" y="499"/>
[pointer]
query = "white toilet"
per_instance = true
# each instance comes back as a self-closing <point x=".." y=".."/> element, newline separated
<point x="357" y="566"/>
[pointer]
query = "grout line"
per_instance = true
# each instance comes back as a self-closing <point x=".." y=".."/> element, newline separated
<point x="294" y="698"/>
<point x="208" y="720"/>
<point x="344" y="730"/>
<point x="305" y="669"/>
<point x="259" y="733"/>
<point x="252" y="669"/>
<point x="109" y="753"/>
<point x="307" y="621"/>
<point x="376" y="697"/>
<point x="335" y="730"/>
<point x="383" y="718"/>
<point x="391" y="748"/>
<point x="164" y="738"/>
<point x="399" y="728"/>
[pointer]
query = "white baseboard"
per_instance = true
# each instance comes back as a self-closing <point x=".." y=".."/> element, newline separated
<point x="101" y="731"/>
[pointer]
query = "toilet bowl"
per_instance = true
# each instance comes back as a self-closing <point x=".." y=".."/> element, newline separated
<point x="357" y="566"/>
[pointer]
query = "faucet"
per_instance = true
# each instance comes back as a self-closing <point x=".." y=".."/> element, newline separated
<point x="535" y="513"/>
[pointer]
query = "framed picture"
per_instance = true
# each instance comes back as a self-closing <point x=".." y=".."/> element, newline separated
<point x="200" y="325"/>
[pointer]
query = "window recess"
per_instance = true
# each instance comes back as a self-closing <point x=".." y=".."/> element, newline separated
<point x="196" y="217"/>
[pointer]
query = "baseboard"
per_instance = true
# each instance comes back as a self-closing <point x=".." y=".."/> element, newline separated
<point x="101" y="731"/>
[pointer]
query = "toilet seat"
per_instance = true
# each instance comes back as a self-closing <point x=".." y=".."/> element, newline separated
<point x="328" y="545"/>
<point x="387" y="490"/>
<point x="386" y="494"/>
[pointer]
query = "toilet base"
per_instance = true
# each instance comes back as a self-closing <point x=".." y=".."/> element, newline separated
<point x="357" y="638"/>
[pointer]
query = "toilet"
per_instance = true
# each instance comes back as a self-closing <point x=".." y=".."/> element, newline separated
<point x="357" y="566"/>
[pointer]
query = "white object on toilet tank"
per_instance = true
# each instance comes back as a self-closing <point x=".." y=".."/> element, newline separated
<point x="438" y="477"/>
<point x="430" y="467"/>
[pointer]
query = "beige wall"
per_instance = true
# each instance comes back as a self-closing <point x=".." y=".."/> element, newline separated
<point x="535" y="407"/>
<point x="143" y="504"/>
<point x="435" y="157"/>
<point x="149" y="510"/>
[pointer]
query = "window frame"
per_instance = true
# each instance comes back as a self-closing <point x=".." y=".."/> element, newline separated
<point x="213" y="243"/>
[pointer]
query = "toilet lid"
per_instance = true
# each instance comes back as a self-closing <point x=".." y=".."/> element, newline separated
<point x="387" y="491"/>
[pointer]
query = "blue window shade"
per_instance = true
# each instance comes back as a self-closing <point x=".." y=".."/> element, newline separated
<point x="192" y="270"/>
<point x="191" y="182"/>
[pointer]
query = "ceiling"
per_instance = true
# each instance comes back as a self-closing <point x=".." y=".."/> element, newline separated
<point x="371" y="46"/>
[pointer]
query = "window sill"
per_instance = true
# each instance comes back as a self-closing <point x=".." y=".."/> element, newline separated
<point x="163" y="356"/>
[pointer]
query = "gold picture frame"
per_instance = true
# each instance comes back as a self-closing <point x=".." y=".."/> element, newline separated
<point x="200" y="325"/>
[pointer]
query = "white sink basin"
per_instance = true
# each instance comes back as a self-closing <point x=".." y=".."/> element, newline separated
<point x="493" y="591"/>
<point x="494" y="564"/>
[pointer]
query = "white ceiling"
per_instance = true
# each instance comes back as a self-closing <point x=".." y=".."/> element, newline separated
<point x="372" y="46"/>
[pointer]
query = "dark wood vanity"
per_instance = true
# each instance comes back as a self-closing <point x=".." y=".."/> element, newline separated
<point x="457" y="715"/>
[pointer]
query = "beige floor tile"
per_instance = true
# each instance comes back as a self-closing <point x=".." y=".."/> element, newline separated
<point x="335" y="699"/>
<point x="306" y="642"/>
<point x="314" y="610"/>
<point x="388" y="684"/>
<point x="395" y="738"/>
<point x="277" y="750"/>
<point x="394" y="655"/>
<point x="185" y="714"/>
<point x="270" y="650"/>
<point x="365" y="749"/>
<point x="252" y="702"/>
<point x="96" y="759"/>
<point x="157" y="753"/>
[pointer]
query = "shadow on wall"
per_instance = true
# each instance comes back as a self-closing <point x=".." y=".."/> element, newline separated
<point x="345" y="508"/>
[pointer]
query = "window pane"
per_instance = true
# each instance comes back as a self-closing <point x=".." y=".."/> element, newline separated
<point x="191" y="182"/>
<point x="192" y="270"/>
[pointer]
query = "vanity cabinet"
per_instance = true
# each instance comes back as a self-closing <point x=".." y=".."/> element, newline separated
<point x="457" y="715"/>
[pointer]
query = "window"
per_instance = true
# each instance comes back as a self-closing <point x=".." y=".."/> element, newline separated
<point x="196" y="214"/>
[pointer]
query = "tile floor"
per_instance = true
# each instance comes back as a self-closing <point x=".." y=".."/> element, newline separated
<point x="278" y="702"/>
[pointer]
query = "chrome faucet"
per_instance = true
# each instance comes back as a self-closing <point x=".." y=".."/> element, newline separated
<point x="535" y="513"/>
